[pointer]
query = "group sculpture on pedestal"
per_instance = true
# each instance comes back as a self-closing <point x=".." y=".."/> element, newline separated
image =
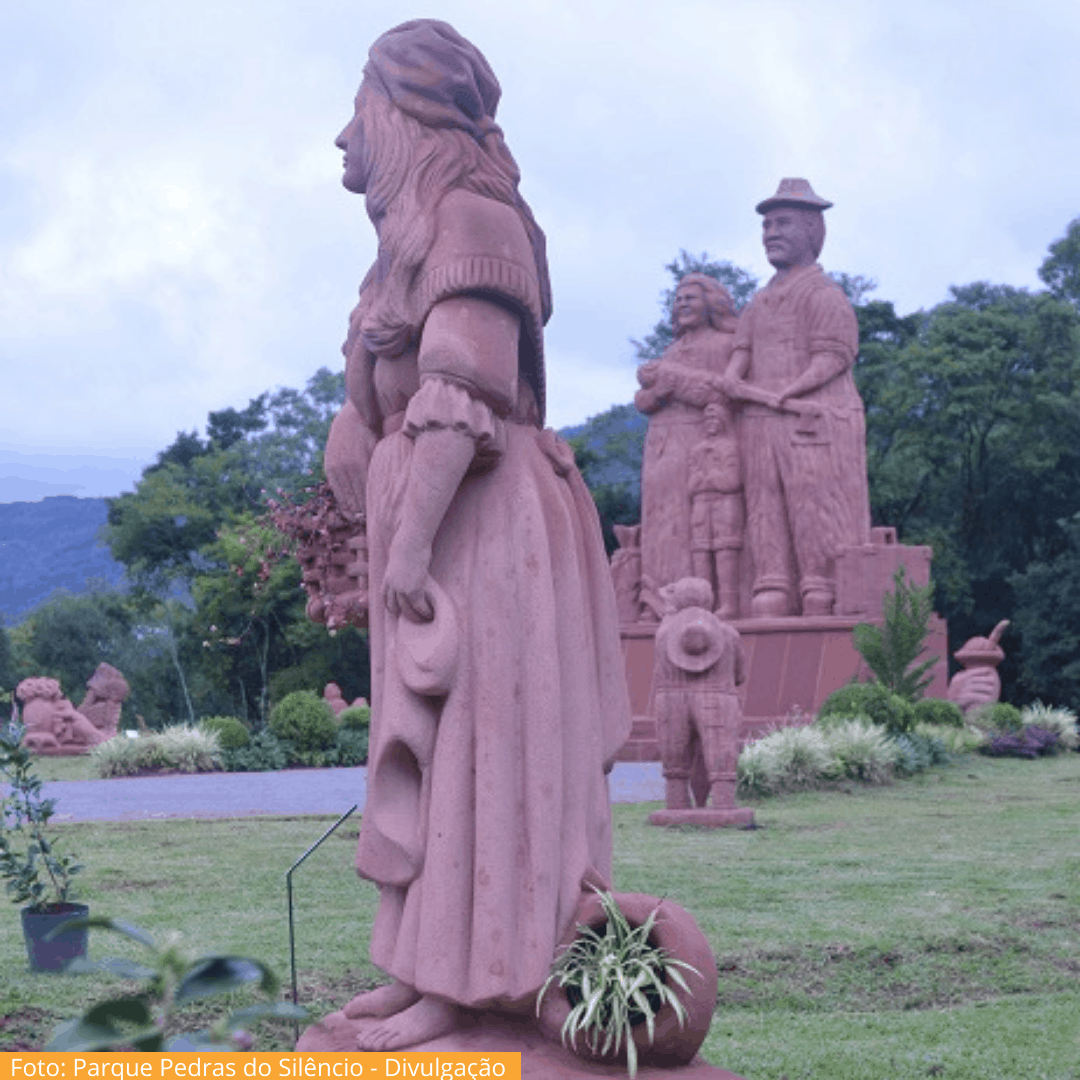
<point x="754" y="469"/>
<point x="54" y="726"/>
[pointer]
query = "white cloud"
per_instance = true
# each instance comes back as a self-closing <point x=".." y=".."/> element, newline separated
<point x="174" y="238"/>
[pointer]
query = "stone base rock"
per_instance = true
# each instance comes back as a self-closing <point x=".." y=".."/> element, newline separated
<point x="739" y="817"/>
<point x="483" y="1032"/>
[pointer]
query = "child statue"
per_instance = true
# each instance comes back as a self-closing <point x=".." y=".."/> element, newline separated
<point x="717" y="517"/>
<point x="700" y="666"/>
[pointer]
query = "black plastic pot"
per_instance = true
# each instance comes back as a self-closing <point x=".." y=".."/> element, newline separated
<point x="57" y="953"/>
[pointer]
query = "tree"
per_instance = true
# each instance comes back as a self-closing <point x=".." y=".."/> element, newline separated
<point x="162" y="531"/>
<point x="1047" y="617"/>
<point x="608" y="449"/>
<point x="855" y="286"/>
<point x="73" y="634"/>
<point x="973" y="426"/>
<point x="740" y="283"/>
<point x="892" y="649"/>
<point x="254" y="627"/>
<point x="7" y="661"/>
<point x="1060" y="270"/>
<point x="213" y="631"/>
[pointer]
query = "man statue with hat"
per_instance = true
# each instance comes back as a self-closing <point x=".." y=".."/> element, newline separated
<point x="803" y="425"/>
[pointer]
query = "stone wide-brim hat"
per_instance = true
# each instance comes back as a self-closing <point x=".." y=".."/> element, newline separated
<point x="427" y="652"/>
<point x="692" y="640"/>
<point x="794" y="191"/>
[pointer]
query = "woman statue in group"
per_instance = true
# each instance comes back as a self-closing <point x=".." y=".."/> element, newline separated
<point x="674" y="392"/>
<point x="498" y="692"/>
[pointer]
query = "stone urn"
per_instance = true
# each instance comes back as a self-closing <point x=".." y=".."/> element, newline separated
<point x="674" y="931"/>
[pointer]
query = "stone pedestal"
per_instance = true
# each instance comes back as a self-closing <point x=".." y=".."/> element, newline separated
<point x="480" y="1032"/>
<point x="794" y="664"/>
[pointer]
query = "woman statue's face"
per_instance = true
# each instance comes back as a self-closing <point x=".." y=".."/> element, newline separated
<point x="689" y="310"/>
<point x="353" y="141"/>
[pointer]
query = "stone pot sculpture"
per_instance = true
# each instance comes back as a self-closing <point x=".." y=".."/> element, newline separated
<point x="674" y="931"/>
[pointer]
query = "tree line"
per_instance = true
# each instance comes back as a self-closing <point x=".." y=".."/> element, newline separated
<point x="210" y="621"/>
<point x="973" y="433"/>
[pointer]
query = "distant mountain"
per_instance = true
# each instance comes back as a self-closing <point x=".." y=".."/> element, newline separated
<point x="616" y="437"/>
<point x="49" y="545"/>
<point x="30" y="473"/>
<point x="53" y="543"/>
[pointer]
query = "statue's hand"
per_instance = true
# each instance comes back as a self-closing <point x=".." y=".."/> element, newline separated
<point x="726" y="385"/>
<point x="405" y="585"/>
<point x="647" y="373"/>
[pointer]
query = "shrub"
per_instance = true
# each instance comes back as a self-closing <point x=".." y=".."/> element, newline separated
<point x="870" y="700"/>
<point x="1000" y="717"/>
<point x="862" y="751"/>
<point x="352" y="746"/>
<point x="1059" y="720"/>
<point x="263" y="753"/>
<point x="890" y="650"/>
<point x="176" y="749"/>
<point x="794" y="758"/>
<point x="1031" y="742"/>
<point x="305" y="720"/>
<point x="286" y="681"/>
<point x="916" y="752"/>
<point x="961" y="740"/>
<point x="938" y="711"/>
<point x="31" y="864"/>
<point x="231" y="733"/>
<point x="788" y="759"/>
<point x="357" y="717"/>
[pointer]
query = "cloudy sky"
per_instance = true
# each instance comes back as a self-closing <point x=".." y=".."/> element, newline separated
<point x="174" y="237"/>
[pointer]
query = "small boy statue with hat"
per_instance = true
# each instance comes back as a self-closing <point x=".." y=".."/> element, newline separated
<point x="699" y="668"/>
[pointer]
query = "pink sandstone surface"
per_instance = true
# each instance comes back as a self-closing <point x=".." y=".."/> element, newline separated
<point x="700" y="668"/>
<point x="53" y="725"/>
<point x="978" y="683"/>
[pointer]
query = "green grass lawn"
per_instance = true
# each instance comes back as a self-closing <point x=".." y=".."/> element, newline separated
<point x="76" y="767"/>
<point x="928" y="928"/>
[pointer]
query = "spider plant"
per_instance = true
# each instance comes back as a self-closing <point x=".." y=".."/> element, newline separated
<point x="614" y="979"/>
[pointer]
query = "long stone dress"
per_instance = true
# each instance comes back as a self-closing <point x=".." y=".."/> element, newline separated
<point x="676" y="425"/>
<point x="487" y="809"/>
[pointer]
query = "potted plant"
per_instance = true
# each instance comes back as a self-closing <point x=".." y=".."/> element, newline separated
<point x="635" y="980"/>
<point x="32" y="868"/>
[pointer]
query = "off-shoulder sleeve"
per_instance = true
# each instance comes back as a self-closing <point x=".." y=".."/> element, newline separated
<point x="440" y="405"/>
<point x="482" y="252"/>
<point x="832" y="326"/>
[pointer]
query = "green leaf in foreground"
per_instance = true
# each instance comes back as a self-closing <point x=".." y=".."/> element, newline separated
<point x="141" y="1021"/>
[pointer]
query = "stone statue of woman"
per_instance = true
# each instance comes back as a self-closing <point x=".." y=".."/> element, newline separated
<point x="674" y="392"/>
<point x="498" y="694"/>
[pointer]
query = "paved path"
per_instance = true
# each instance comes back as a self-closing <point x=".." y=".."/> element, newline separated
<point x="293" y="791"/>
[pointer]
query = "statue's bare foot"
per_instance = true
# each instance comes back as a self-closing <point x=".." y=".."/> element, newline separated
<point x="383" y="1001"/>
<point x="427" y="1019"/>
